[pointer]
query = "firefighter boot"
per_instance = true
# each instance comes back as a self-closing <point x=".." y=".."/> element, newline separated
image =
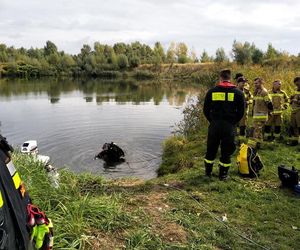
<point x="208" y="168"/>
<point x="223" y="173"/>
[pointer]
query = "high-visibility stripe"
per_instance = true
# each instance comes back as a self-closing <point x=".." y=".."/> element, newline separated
<point x="276" y="112"/>
<point x="260" y="117"/>
<point x="218" y="96"/>
<point x="14" y="174"/>
<point x="230" y="97"/>
<point x="221" y="96"/>
<point x="209" y="161"/>
<point x="11" y="168"/>
<point x="17" y="180"/>
<point x="1" y="200"/>
<point x="276" y="95"/>
<point x="227" y="165"/>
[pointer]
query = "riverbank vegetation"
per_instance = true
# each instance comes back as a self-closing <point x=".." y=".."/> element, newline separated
<point x="123" y="60"/>
<point x="181" y="209"/>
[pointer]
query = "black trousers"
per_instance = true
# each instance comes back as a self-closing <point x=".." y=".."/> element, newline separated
<point x="220" y="133"/>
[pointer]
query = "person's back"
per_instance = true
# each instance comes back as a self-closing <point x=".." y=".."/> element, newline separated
<point x="223" y="108"/>
<point x="223" y="103"/>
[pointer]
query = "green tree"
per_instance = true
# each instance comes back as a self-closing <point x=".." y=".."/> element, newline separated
<point x="221" y="56"/>
<point x="122" y="61"/>
<point x="171" y="54"/>
<point x="257" y="56"/>
<point x="271" y="53"/>
<point x="53" y="59"/>
<point x="120" y="48"/>
<point x="3" y="53"/>
<point x="242" y="53"/>
<point x="99" y="53"/>
<point x="205" y="58"/>
<point x="50" y="48"/>
<point x="159" y="51"/>
<point x="134" y="62"/>
<point x="35" y="53"/>
<point x="181" y="50"/>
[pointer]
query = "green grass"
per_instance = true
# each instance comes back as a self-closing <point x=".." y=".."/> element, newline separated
<point x="181" y="209"/>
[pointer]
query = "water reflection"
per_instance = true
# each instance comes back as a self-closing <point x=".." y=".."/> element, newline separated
<point x="121" y="92"/>
<point x="71" y="118"/>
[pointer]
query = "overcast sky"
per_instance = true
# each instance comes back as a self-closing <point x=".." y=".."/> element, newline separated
<point x="204" y="24"/>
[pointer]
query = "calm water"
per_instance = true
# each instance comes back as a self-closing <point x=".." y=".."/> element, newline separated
<point x="71" y="120"/>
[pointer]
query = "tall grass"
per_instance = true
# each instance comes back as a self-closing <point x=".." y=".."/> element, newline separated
<point x="78" y="206"/>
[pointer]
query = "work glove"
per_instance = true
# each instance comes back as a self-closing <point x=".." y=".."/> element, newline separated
<point x="41" y="228"/>
<point x="42" y="236"/>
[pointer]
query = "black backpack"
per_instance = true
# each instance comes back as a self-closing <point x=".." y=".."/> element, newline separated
<point x="289" y="177"/>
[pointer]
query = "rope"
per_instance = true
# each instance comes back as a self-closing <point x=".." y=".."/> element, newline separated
<point x="235" y="231"/>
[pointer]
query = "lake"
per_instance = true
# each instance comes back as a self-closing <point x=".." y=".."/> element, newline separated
<point x="72" y="119"/>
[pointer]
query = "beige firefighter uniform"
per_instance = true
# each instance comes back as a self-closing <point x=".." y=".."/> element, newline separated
<point x="248" y="101"/>
<point x="261" y="100"/>
<point x="295" y="115"/>
<point x="280" y="102"/>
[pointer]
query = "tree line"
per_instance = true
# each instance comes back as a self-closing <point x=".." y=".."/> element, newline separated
<point x="106" y="60"/>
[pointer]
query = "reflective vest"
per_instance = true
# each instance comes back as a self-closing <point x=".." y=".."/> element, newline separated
<point x="295" y="102"/>
<point x="261" y="99"/>
<point x="279" y="99"/>
<point x="248" y="99"/>
<point x="13" y="202"/>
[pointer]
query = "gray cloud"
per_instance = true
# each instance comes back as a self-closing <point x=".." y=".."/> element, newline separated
<point x="203" y="24"/>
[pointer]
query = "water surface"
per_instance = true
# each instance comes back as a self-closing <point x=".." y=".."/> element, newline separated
<point x="72" y="119"/>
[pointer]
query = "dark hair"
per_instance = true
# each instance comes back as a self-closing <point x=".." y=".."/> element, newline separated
<point x="258" y="78"/>
<point x="225" y="74"/>
<point x="297" y="79"/>
<point x="238" y="75"/>
<point x="241" y="79"/>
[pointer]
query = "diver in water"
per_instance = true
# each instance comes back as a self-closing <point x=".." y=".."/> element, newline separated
<point x="111" y="153"/>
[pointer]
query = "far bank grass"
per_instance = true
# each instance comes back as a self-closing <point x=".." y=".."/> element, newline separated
<point x="176" y="211"/>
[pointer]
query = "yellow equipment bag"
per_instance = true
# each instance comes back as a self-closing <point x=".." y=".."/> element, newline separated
<point x="248" y="161"/>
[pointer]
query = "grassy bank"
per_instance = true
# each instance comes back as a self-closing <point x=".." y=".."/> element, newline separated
<point x="177" y="211"/>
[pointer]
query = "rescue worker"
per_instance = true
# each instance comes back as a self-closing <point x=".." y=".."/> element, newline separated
<point x="280" y="102"/>
<point x="223" y="108"/>
<point x="22" y="225"/>
<point x="295" y="114"/>
<point x="241" y="81"/>
<point x="262" y="106"/>
<point x="111" y="153"/>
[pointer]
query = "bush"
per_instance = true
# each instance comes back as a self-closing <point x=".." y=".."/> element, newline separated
<point x="174" y="157"/>
<point x="122" y="61"/>
<point x="109" y="74"/>
<point x="143" y="74"/>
